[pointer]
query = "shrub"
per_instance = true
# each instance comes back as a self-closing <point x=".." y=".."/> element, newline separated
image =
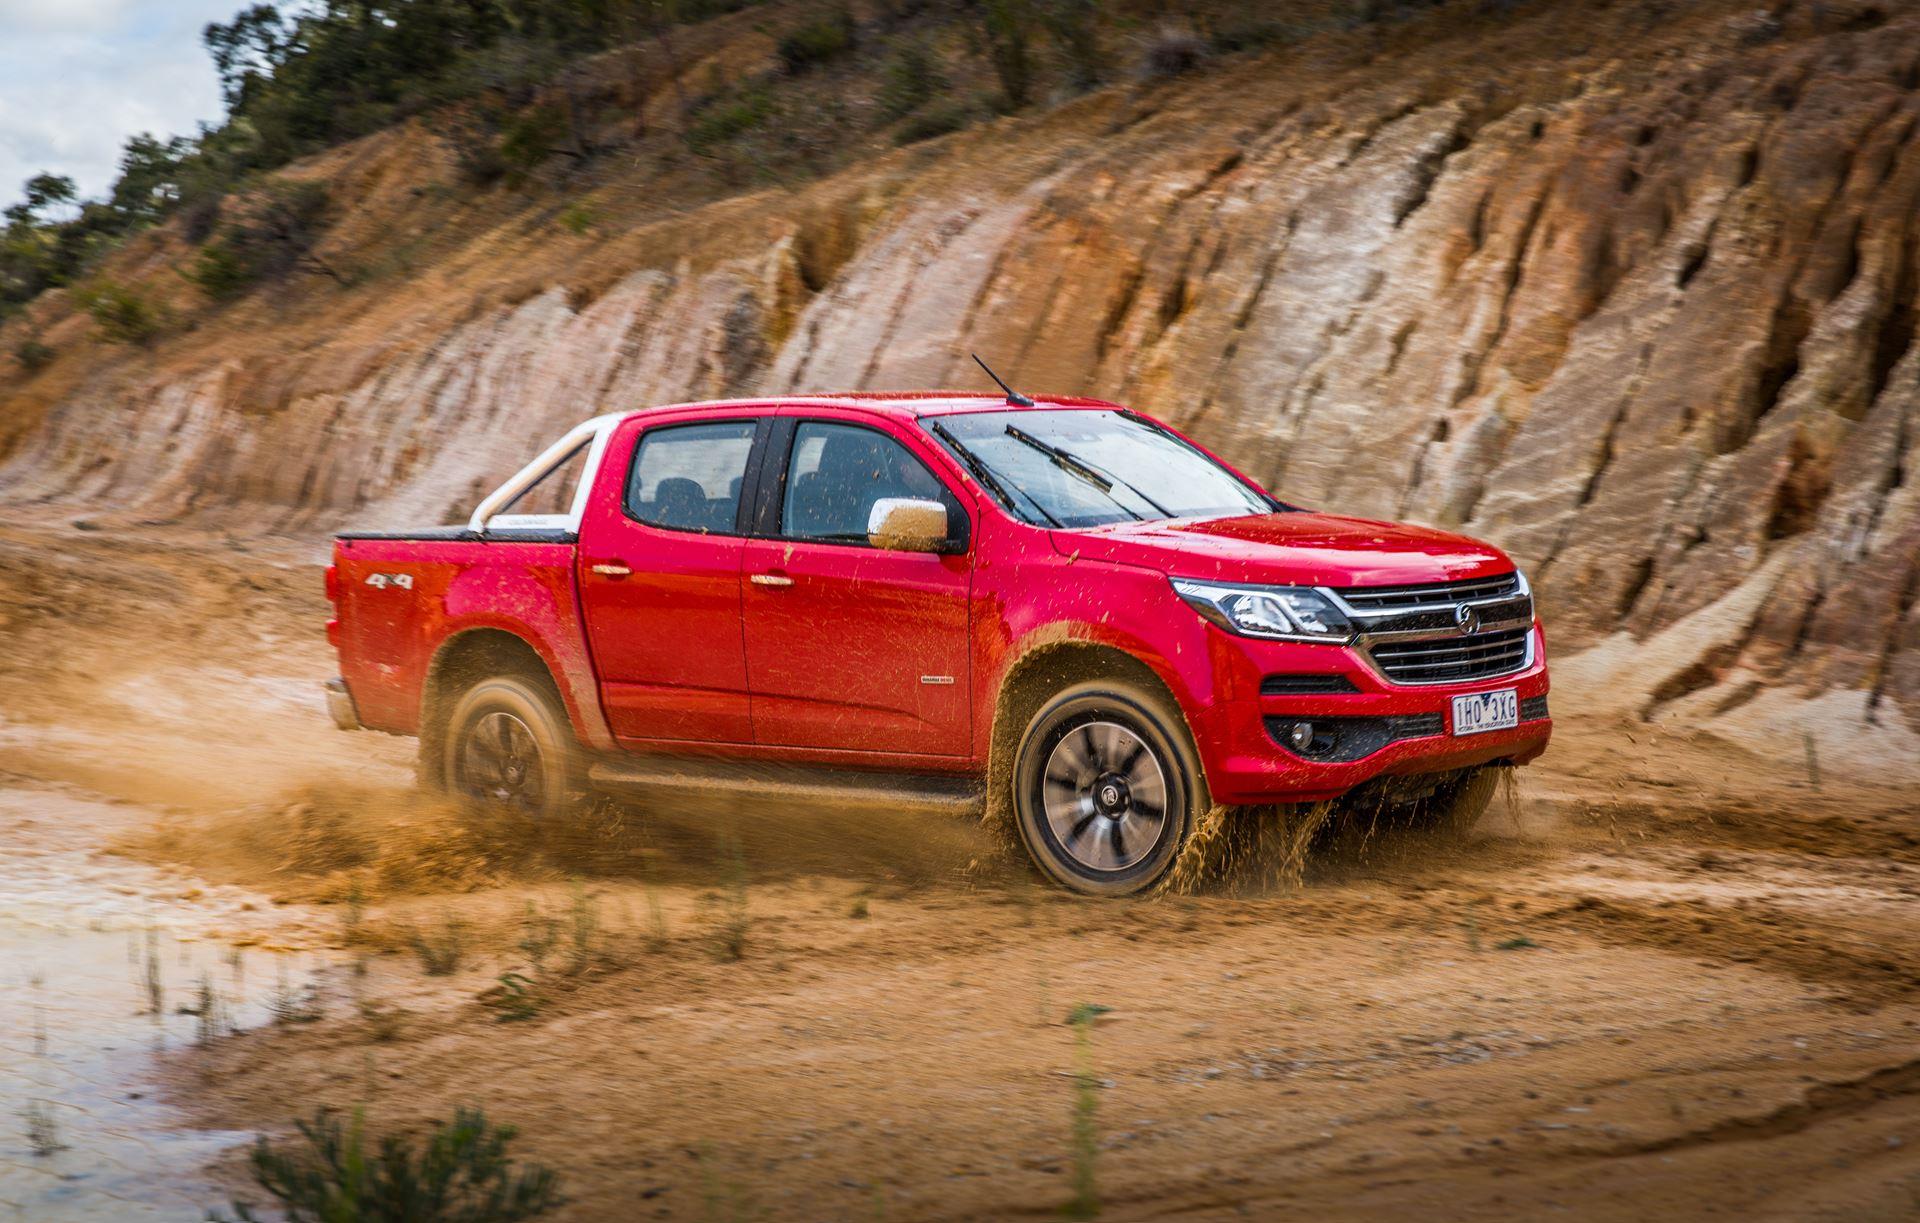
<point x="272" y="237"/>
<point x="933" y="121"/>
<point x="461" y="1172"/>
<point x="123" y="314"/>
<point x="220" y="272"/>
<point x="440" y="956"/>
<point x="32" y="355"/>
<point x="1173" y="53"/>
<point x="530" y="137"/>
<point x="910" y="80"/>
<point x="1073" y="27"/>
<point x="577" y="219"/>
<point x="1256" y="34"/>
<point x="1004" y="22"/>
<point x="817" y="42"/>
<point x="726" y="118"/>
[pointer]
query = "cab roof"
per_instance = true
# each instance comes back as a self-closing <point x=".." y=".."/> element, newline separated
<point x="901" y="405"/>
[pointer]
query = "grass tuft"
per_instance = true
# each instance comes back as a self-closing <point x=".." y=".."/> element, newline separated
<point x="730" y="927"/>
<point x="43" y="1129"/>
<point x="1085" y="1203"/>
<point x="440" y="955"/>
<point x="460" y="1171"/>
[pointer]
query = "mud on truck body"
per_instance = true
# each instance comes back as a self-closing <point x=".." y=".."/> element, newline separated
<point x="907" y="595"/>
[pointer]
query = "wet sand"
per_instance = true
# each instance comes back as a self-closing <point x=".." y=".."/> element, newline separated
<point x="1670" y="978"/>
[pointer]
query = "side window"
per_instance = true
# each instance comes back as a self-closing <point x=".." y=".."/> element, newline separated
<point x="837" y="472"/>
<point x="688" y="477"/>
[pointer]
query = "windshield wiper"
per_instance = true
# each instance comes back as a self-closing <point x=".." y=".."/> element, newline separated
<point x="985" y="476"/>
<point x="1067" y="461"/>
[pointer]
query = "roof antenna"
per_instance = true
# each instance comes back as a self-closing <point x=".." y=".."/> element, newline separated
<point x="1013" y="397"/>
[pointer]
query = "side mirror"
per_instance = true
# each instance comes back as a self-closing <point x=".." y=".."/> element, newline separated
<point x="907" y="524"/>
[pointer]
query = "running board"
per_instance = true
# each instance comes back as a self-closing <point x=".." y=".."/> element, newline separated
<point x="798" y="783"/>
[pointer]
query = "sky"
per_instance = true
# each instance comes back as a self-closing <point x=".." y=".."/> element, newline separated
<point x="77" y="77"/>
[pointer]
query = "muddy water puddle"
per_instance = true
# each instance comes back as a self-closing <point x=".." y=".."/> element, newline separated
<point x="103" y="964"/>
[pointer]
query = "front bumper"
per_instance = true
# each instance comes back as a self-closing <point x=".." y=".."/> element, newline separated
<point x="340" y="705"/>
<point x="1245" y="764"/>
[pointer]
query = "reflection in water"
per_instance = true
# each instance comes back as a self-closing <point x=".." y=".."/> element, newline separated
<point x="103" y="963"/>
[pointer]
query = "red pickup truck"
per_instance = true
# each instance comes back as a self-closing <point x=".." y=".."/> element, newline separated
<point x="1064" y="610"/>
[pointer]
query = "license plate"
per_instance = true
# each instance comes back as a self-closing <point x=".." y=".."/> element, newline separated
<point x="1484" y="711"/>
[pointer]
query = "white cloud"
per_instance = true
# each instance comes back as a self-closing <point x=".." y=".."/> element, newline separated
<point x="77" y="77"/>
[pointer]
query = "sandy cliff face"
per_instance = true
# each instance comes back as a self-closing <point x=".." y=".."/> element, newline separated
<point x="1629" y="291"/>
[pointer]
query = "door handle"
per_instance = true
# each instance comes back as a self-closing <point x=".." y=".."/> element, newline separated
<point x="771" y="579"/>
<point x="612" y="569"/>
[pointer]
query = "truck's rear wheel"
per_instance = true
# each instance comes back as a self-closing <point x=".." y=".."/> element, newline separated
<point x="508" y="743"/>
<point x="1105" y="788"/>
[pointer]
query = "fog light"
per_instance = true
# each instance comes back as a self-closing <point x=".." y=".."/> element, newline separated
<point x="1300" y="736"/>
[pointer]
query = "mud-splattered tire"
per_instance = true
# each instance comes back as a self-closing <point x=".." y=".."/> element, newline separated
<point x="1106" y="787"/>
<point x="508" y="742"/>
<point x="1458" y="804"/>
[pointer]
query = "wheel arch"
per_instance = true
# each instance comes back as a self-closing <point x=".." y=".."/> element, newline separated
<point x="462" y="660"/>
<point x="1050" y="666"/>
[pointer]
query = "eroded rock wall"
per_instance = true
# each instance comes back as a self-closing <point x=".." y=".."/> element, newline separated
<point x="1632" y="294"/>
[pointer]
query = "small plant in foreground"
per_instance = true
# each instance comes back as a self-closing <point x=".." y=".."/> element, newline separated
<point x="291" y="1005"/>
<point x="577" y="219"/>
<point x="858" y="910"/>
<point x="43" y="1129"/>
<point x="585" y="929"/>
<point x="441" y="955"/>
<point x="353" y="921"/>
<point x="657" y="934"/>
<point x="538" y="934"/>
<point x="150" y="986"/>
<point x="730" y="930"/>
<point x="515" y="999"/>
<point x="209" y="1012"/>
<point x="383" y="1021"/>
<point x="1517" y="943"/>
<point x="1085" y="1203"/>
<point x="460" y="1172"/>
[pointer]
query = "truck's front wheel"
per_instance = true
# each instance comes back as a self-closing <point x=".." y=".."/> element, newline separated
<point x="508" y="742"/>
<point x="1105" y="787"/>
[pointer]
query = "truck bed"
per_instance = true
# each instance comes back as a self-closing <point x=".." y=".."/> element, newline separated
<point x="399" y="596"/>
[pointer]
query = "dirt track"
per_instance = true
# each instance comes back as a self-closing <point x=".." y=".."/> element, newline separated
<point x="1674" y="978"/>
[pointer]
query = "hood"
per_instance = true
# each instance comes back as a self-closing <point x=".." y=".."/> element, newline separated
<point x="1289" y="549"/>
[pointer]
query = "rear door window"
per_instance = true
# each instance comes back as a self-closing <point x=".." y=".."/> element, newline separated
<point x="837" y="472"/>
<point x="689" y="477"/>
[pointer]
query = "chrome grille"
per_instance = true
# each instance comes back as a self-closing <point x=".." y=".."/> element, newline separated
<point x="1431" y="594"/>
<point x="1451" y="659"/>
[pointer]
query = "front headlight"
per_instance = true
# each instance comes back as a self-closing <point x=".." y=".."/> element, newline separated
<point x="1279" y="613"/>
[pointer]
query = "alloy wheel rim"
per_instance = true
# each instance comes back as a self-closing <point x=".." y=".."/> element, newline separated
<point x="501" y="761"/>
<point x="1104" y="794"/>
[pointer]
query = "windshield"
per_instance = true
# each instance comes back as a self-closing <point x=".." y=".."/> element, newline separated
<point x="1086" y="468"/>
